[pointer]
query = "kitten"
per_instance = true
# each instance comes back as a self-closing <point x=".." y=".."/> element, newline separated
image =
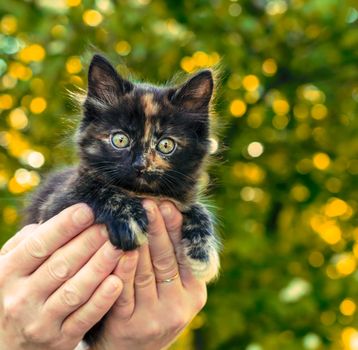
<point x="139" y="141"/>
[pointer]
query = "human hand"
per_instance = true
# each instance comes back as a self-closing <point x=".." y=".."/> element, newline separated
<point x="150" y="313"/>
<point x="56" y="282"/>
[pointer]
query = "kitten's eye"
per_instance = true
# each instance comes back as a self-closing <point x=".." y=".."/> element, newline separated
<point x="120" y="140"/>
<point x="166" y="146"/>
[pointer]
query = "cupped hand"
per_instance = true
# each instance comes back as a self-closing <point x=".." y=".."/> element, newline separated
<point x="56" y="282"/>
<point x="160" y="294"/>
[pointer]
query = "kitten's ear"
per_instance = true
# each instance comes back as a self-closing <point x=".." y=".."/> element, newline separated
<point x="196" y="93"/>
<point x="104" y="83"/>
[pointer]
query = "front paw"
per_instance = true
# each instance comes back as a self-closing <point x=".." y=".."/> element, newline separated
<point x="203" y="258"/>
<point x="127" y="229"/>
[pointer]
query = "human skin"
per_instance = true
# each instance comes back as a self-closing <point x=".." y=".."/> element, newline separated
<point x="149" y="315"/>
<point x="59" y="278"/>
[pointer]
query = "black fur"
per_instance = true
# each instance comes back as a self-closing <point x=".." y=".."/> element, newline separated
<point x="109" y="179"/>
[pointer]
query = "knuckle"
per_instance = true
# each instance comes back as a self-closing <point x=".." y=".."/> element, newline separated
<point x="33" y="333"/>
<point x="12" y="307"/>
<point x="165" y="263"/>
<point x="58" y="269"/>
<point x="144" y="279"/>
<point x="36" y="247"/>
<point x="71" y="297"/>
<point x="178" y="321"/>
<point x="98" y="268"/>
<point x="153" y="330"/>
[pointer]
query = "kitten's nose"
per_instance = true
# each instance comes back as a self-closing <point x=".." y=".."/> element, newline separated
<point x="139" y="164"/>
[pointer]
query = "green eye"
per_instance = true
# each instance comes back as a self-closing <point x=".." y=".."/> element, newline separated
<point x="166" y="146"/>
<point x="119" y="140"/>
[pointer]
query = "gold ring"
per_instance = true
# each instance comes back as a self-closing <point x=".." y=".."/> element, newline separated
<point x="168" y="280"/>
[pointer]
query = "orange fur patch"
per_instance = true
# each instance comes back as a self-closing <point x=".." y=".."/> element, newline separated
<point x="156" y="162"/>
<point x="150" y="107"/>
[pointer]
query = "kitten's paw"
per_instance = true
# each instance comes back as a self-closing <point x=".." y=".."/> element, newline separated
<point x="127" y="231"/>
<point x="203" y="258"/>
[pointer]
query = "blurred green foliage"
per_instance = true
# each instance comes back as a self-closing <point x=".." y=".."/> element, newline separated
<point x="286" y="181"/>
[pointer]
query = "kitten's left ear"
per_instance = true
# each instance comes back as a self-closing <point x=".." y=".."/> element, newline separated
<point x="104" y="83"/>
<point x="196" y="93"/>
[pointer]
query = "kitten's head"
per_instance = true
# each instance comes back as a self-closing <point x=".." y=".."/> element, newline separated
<point x="142" y="137"/>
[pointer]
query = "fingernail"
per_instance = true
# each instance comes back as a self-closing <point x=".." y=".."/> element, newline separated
<point x="111" y="252"/>
<point x="150" y="210"/>
<point x="111" y="286"/>
<point x="83" y="215"/>
<point x="166" y="211"/>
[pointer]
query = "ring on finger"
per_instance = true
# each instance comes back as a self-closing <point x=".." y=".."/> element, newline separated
<point x="168" y="280"/>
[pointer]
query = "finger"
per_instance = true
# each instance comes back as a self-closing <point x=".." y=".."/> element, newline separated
<point x="173" y="221"/>
<point x="124" y="306"/>
<point x="15" y="240"/>
<point x="77" y="290"/>
<point x="50" y="236"/>
<point x="67" y="260"/>
<point x="144" y="280"/>
<point x="161" y="248"/>
<point x="83" y="319"/>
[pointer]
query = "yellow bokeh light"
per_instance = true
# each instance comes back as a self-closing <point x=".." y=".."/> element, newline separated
<point x="234" y="81"/>
<point x="255" y="118"/>
<point x="123" y="48"/>
<point x="38" y="105"/>
<point x="328" y="230"/>
<point x="280" y="106"/>
<point x="269" y="67"/>
<point x="92" y="18"/>
<point x="8" y="24"/>
<point x="201" y="59"/>
<point x="251" y="82"/>
<point x="18" y="119"/>
<point x="347" y="264"/>
<point x="316" y="259"/>
<point x="6" y="101"/>
<point x="300" y="193"/>
<point x="15" y="187"/>
<point x="8" y="81"/>
<point x="280" y="121"/>
<point x="349" y="338"/>
<point x="347" y="307"/>
<point x="321" y="161"/>
<point x="73" y="3"/>
<point x="300" y="111"/>
<point x="249" y="172"/>
<point x="252" y="96"/>
<point x="355" y="250"/>
<point x="319" y="111"/>
<point x="58" y="31"/>
<point x="32" y="53"/>
<point x="76" y="80"/>
<point x="213" y="59"/>
<point x="336" y="207"/>
<point x="19" y="71"/>
<point x="10" y="215"/>
<point x="187" y="64"/>
<point x="73" y="65"/>
<point x="238" y="108"/>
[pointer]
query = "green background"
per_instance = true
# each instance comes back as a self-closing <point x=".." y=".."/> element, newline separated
<point x="285" y="180"/>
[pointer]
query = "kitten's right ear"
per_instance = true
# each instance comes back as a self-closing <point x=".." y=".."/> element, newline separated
<point x="104" y="83"/>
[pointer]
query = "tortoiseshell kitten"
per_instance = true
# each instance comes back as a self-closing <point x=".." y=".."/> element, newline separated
<point x="137" y="141"/>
